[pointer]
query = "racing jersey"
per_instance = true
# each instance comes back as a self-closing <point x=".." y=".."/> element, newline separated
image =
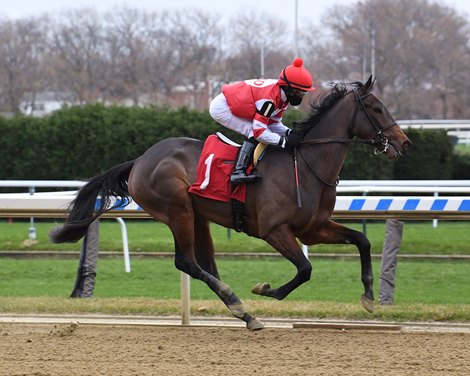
<point x="262" y="102"/>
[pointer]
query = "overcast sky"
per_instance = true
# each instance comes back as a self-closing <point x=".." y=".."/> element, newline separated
<point x="307" y="9"/>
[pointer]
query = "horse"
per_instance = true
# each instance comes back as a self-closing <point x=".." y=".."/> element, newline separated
<point x="158" y="181"/>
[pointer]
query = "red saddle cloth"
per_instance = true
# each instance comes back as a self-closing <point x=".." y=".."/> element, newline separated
<point x="213" y="172"/>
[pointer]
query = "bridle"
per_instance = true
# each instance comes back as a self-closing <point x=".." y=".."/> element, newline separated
<point x="380" y="142"/>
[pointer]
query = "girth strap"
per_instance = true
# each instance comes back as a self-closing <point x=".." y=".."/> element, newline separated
<point x="238" y="215"/>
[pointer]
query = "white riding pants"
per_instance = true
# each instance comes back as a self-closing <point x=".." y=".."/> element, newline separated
<point x="221" y="113"/>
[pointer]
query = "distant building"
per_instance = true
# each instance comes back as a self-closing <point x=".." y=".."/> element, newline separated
<point x="194" y="97"/>
<point x="43" y="103"/>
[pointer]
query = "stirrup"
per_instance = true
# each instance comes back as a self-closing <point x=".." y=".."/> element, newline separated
<point x="240" y="178"/>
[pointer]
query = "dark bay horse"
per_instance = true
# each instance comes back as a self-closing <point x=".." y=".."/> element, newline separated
<point x="159" y="180"/>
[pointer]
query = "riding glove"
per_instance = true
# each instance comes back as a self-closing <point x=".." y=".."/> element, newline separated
<point x="292" y="140"/>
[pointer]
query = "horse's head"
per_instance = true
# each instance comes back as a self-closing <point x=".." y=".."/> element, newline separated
<point x="352" y="110"/>
<point x="373" y="121"/>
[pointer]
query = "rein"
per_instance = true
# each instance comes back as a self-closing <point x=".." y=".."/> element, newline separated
<point x="314" y="172"/>
<point x="380" y="141"/>
<point x="338" y="141"/>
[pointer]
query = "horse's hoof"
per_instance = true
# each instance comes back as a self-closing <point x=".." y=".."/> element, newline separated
<point x="254" y="324"/>
<point x="260" y="288"/>
<point x="367" y="303"/>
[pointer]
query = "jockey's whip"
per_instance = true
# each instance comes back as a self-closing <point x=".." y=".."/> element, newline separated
<point x="297" y="188"/>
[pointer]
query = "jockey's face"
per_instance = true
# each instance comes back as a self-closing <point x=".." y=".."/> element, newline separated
<point x="294" y="96"/>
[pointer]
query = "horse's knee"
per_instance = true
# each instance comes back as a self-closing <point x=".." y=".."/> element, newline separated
<point x="185" y="265"/>
<point x="305" y="272"/>
<point x="363" y="243"/>
<point x="180" y="264"/>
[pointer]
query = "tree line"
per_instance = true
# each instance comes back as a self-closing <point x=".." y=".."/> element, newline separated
<point x="419" y="51"/>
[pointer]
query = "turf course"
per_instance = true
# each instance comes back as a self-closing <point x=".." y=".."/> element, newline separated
<point x="426" y="289"/>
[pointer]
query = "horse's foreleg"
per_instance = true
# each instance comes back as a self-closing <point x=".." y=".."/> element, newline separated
<point x="284" y="241"/>
<point x="334" y="233"/>
<point x="204" y="247"/>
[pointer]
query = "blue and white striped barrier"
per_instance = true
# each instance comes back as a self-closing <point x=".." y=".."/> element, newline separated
<point x="403" y="207"/>
<point x="50" y="204"/>
<point x="402" y="203"/>
<point x="378" y="203"/>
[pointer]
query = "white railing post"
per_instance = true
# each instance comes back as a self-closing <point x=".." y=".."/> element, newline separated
<point x="434" y="221"/>
<point x="185" y="299"/>
<point x="32" y="229"/>
<point x="125" y="245"/>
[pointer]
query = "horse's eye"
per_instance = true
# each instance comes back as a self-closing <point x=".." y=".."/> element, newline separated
<point x="378" y="110"/>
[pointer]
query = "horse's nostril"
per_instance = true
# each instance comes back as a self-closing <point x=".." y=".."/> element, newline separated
<point x="407" y="145"/>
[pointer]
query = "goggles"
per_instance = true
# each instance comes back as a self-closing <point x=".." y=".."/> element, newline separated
<point x="298" y="92"/>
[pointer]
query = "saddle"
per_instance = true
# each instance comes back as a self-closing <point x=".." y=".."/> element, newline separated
<point x="257" y="154"/>
<point x="213" y="175"/>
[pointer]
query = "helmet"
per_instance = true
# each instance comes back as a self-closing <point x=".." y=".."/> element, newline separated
<point x="296" y="76"/>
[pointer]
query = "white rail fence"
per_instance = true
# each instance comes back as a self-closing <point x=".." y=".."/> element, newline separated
<point x="460" y="129"/>
<point x="54" y="204"/>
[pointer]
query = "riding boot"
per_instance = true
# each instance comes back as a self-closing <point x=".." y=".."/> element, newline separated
<point x="244" y="159"/>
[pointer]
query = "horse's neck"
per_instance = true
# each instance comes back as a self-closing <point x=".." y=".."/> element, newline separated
<point x="335" y="123"/>
<point x="329" y="157"/>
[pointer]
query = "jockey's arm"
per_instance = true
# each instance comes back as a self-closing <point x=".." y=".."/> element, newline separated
<point x="267" y="125"/>
<point x="267" y="134"/>
<point x="279" y="128"/>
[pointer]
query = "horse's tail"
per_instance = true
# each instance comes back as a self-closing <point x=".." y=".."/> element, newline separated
<point x="94" y="199"/>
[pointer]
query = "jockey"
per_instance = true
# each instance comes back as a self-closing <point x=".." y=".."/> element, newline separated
<point x="254" y="108"/>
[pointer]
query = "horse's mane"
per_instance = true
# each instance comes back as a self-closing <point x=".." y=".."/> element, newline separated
<point x="324" y="102"/>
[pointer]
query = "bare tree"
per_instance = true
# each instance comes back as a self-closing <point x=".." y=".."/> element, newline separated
<point x="421" y="50"/>
<point x="76" y="54"/>
<point x="256" y="39"/>
<point x="422" y="53"/>
<point x="21" y="48"/>
<point x="129" y="34"/>
<point x="183" y="50"/>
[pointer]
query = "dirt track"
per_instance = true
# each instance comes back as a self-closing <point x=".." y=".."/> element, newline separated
<point x="77" y="349"/>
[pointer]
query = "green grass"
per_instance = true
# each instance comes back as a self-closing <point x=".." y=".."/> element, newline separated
<point x="450" y="237"/>
<point x="462" y="149"/>
<point x="426" y="282"/>
<point x="425" y="290"/>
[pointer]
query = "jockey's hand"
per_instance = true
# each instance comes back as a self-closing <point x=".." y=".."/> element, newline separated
<point x="292" y="140"/>
<point x="295" y="124"/>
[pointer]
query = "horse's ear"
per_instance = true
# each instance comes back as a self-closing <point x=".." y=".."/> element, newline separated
<point x="369" y="85"/>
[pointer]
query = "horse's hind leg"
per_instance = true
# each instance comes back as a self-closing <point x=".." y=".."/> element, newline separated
<point x="185" y="260"/>
<point x="334" y="233"/>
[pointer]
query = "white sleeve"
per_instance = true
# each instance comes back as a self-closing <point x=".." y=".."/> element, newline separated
<point x="263" y="133"/>
<point x="278" y="128"/>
